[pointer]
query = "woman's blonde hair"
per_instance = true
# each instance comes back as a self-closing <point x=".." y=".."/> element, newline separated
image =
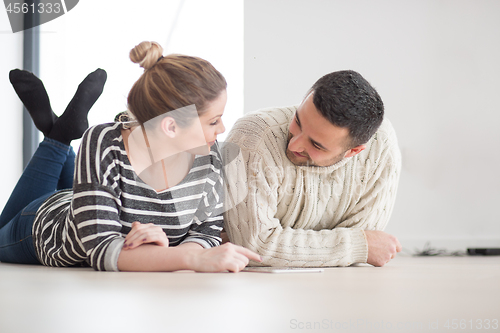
<point x="171" y="82"/>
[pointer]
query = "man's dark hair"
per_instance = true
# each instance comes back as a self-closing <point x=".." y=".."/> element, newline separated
<point x="347" y="100"/>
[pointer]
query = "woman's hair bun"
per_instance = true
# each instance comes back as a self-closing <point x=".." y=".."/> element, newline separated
<point x="146" y="54"/>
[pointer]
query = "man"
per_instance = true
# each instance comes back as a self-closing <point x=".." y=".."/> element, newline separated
<point x="321" y="178"/>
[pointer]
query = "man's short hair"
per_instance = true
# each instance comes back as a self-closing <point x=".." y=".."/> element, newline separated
<point x="347" y="100"/>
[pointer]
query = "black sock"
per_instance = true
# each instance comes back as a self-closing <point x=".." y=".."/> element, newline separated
<point x="32" y="93"/>
<point x="73" y="122"/>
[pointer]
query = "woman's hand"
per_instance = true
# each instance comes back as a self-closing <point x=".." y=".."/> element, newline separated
<point x="190" y="256"/>
<point x="144" y="234"/>
<point x="227" y="257"/>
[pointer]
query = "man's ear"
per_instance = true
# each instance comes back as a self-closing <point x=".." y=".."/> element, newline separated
<point x="169" y="127"/>
<point x="354" y="151"/>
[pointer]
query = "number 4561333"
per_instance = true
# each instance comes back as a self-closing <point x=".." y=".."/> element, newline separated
<point x="478" y="324"/>
<point x="41" y="8"/>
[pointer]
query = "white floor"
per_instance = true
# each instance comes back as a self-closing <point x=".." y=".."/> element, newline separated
<point x="410" y="294"/>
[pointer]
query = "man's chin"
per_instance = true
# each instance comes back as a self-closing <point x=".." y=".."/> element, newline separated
<point x="298" y="161"/>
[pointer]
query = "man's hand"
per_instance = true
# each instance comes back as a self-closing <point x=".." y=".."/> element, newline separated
<point x="382" y="247"/>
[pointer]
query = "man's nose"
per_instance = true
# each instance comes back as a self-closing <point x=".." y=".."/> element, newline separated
<point x="296" y="143"/>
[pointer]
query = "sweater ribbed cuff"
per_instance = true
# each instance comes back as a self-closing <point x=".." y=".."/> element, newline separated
<point x="112" y="254"/>
<point x="359" y="246"/>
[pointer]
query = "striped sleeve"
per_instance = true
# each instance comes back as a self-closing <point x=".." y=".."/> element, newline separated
<point x="208" y="221"/>
<point x="96" y="200"/>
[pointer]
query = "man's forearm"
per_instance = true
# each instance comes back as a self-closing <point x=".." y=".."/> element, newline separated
<point x="299" y="247"/>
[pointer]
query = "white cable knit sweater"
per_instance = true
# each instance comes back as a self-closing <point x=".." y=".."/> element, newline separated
<point x="307" y="215"/>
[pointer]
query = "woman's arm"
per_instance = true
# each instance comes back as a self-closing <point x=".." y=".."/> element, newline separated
<point x="187" y="256"/>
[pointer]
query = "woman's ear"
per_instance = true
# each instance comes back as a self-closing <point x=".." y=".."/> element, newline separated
<point x="169" y="127"/>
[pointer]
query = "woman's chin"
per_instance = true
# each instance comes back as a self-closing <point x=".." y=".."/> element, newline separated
<point x="202" y="150"/>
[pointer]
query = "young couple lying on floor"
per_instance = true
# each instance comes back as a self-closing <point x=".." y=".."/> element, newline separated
<point x="307" y="185"/>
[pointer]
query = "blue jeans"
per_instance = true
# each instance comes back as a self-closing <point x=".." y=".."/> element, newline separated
<point x="50" y="169"/>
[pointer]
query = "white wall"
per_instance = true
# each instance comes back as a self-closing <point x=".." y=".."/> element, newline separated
<point x="436" y="65"/>
<point x="12" y="110"/>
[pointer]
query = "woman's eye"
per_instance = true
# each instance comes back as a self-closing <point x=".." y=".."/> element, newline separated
<point x="215" y="122"/>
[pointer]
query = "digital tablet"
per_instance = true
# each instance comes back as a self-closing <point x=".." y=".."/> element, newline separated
<point x="283" y="269"/>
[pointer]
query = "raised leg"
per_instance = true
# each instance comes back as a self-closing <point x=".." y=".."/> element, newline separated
<point x="67" y="172"/>
<point x="73" y="122"/>
<point x="32" y="93"/>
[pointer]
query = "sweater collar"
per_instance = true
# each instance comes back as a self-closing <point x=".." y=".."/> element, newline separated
<point x="322" y="169"/>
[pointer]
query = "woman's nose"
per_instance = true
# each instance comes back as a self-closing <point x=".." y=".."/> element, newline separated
<point x="221" y="128"/>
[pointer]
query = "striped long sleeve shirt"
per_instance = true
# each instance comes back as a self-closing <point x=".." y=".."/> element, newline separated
<point x="89" y="223"/>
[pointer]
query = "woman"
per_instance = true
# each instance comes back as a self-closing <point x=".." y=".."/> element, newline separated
<point x="164" y="218"/>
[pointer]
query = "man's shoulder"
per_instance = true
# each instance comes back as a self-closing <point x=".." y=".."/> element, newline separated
<point x="383" y="146"/>
<point x="274" y="114"/>
<point x="386" y="135"/>
<point x="263" y="119"/>
<point x="261" y="124"/>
